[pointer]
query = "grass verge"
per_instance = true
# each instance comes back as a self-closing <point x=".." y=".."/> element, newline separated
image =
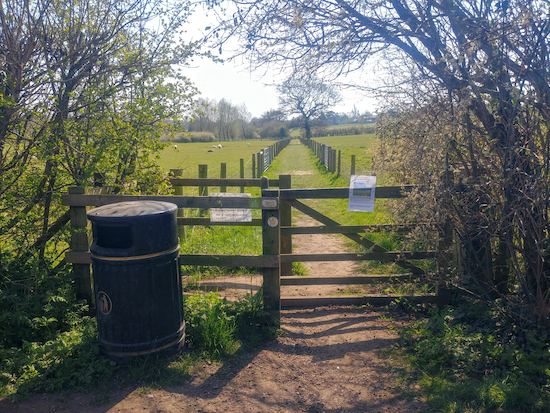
<point x="466" y="359"/>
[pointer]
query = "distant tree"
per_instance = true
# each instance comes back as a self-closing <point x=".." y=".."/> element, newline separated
<point x="273" y="129"/>
<point x="224" y="119"/>
<point x="308" y="97"/>
<point x="272" y="115"/>
<point x="205" y="113"/>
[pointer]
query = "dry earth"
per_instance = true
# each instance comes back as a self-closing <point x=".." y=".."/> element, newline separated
<point x="327" y="361"/>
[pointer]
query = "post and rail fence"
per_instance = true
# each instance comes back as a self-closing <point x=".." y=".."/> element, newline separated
<point x="277" y="231"/>
<point x="329" y="157"/>
<point x="263" y="159"/>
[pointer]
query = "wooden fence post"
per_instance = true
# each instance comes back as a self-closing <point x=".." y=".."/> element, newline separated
<point x="259" y="164"/>
<point x="445" y="246"/>
<point x="203" y="173"/>
<point x="223" y="174"/>
<point x="203" y="190"/>
<point x="352" y="170"/>
<point x="241" y="175"/>
<point x="285" y="212"/>
<point x="253" y="166"/>
<point x="178" y="190"/>
<point x="339" y="162"/>
<point x="271" y="246"/>
<point x="80" y="241"/>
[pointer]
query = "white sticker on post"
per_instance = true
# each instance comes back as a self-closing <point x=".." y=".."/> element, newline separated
<point x="362" y="193"/>
<point x="272" y="222"/>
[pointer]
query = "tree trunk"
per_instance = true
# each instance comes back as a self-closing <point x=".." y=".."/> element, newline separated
<point x="307" y="127"/>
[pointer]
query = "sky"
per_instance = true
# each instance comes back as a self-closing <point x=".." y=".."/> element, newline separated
<point x="257" y="90"/>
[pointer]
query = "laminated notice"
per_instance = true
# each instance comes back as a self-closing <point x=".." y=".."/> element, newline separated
<point x="362" y="193"/>
<point x="230" y="214"/>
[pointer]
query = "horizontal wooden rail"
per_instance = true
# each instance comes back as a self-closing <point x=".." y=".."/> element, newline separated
<point x="78" y="257"/>
<point x="248" y="182"/>
<point x="202" y="202"/>
<point x="259" y="261"/>
<point x="316" y="301"/>
<point x="342" y="193"/>
<point x="352" y="280"/>
<point x="379" y="256"/>
<point x="256" y="222"/>
<point x="343" y="229"/>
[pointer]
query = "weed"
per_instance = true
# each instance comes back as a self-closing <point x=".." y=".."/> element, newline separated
<point x="210" y="328"/>
<point x="217" y="328"/>
<point x="299" y="269"/>
<point x="477" y="365"/>
<point x="408" y="288"/>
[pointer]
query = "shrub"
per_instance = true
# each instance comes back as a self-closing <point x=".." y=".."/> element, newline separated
<point x="70" y="360"/>
<point x="342" y="131"/>
<point x="190" y="137"/>
<point x="36" y="303"/>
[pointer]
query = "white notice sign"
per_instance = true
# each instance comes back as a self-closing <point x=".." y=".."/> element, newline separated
<point x="361" y="193"/>
<point x="228" y="214"/>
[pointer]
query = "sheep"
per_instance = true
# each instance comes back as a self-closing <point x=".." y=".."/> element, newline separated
<point x="248" y="144"/>
<point x="176" y="147"/>
<point x="214" y="146"/>
<point x="219" y="146"/>
<point x="211" y="150"/>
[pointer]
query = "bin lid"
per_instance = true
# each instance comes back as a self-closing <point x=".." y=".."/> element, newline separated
<point x="132" y="209"/>
<point x="133" y="228"/>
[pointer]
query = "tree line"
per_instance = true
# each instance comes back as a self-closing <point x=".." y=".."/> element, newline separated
<point x="225" y="121"/>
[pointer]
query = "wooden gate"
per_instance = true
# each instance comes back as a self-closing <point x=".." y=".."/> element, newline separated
<point x="292" y="198"/>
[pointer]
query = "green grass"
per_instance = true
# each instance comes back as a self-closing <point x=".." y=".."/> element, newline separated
<point x="466" y="359"/>
<point x="189" y="155"/>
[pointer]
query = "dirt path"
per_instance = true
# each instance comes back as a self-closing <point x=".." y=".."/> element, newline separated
<point x="326" y="362"/>
<point x="319" y="244"/>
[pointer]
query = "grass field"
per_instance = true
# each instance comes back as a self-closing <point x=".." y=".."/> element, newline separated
<point x="188" y="156"/>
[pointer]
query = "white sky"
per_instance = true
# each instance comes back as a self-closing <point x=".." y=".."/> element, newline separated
<point x="257" y="90"/>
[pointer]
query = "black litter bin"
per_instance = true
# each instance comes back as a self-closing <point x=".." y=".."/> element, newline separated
<point x="137" y="284"/>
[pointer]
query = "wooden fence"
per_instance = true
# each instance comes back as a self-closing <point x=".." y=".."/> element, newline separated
<point x="80" y="199"/>
<point x="277" y="231"/>
<point x="263" y="159"/>
<point x="331" y="158"/>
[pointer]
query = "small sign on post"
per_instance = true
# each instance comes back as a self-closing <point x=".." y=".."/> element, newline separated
<point x="362" y="193"/>
<point x="230" y="214"/>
